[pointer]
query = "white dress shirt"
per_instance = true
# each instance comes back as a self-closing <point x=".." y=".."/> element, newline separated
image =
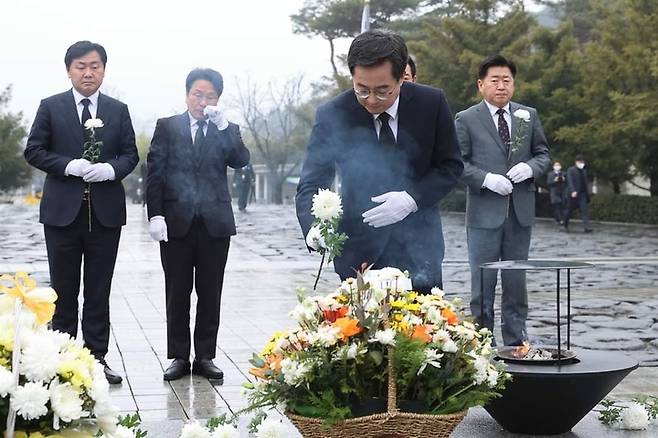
<point x="93" y="106"/>
<point x="194" y="126"/>
<point x="392" y="122"/>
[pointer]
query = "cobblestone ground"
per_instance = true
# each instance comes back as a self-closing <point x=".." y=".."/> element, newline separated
<point x="614" y="305"/>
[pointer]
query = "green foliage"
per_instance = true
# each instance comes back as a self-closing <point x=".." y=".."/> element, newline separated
<point x="624" y="208"/>
<point x="14" y="171"/>
<point x="132" y="422"/>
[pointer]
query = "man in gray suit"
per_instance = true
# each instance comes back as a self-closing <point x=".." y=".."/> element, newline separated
<point x="504" y="150"/>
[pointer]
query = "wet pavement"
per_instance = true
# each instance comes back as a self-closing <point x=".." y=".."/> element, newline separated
<point x="614" y="305"/>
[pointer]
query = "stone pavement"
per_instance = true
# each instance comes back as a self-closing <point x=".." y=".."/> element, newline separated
<point x="614" y="306"/>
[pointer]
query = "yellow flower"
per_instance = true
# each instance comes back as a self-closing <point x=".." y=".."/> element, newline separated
<point x="75" y="372"/>
<point x="413" y="307"/>
<point x="342" y="299"/>
<point x="41" y="301"/>
<point x="398" y="304"/>
<point x="267" y="350"/>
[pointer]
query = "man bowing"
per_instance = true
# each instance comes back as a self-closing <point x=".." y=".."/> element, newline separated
<point x="394" y="145"/>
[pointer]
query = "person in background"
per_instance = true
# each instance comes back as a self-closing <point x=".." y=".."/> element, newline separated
<point x="557" y="184"/>
<point x="578" y="191"/>
<point x="410" y="70"/>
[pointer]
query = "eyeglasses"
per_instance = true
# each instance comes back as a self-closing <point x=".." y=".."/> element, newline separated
<point x="200" y="96"/>
<point x="365" y="94"/>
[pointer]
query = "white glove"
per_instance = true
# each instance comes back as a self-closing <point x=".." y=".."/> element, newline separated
<point x="77" y="167"/>
<point x="99" y="172"/>
<point x="216" y="115"/>
<point x="498" y="183"/>
<point x="158" y="228"/>
<point x="314" y="239"/>
<point x="396" y="206"/>
<point x="520" y="172"/>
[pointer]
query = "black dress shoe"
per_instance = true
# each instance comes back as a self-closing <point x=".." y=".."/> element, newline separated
<point x="589" y="230"/>
<point x="177" y="369"/>
<point x="113" y="378"/>
<point x="207" y="369"/>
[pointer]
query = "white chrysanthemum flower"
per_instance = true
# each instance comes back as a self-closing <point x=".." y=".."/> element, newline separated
<point x="372" y="305"/>
<point x="40" y="357"/>
<point x="65" y="401"/>
<point x="7" y="304"/>
<point x="433" y="315"/>
<point x="326" y="205"/>
<point x="270" y="428"/>
<point x="492" y="377"/>
<point x="305" y="311"/>
<point x="293" y="371"/>
<point x="6" y="381"/>
<point x="327" y="335"/>
<point x="384" y="337"/>
<point x="314" y="238"/>
<point x="328" y="303"/>
<point x="121" y="432"/>
<point x="225" y="431"/>
<point x="522" y="114"/>
<point x="194" y="430"/>
<point x="432" y="357"/>
<point x="94" y="123"/>
<point x="481" y="366"/>
<point x="635" y="417"/>
<point x="449" y="346"/>
<point x="30" y="400"/>
<point x="100" y="389"/>
<point x="352" y="351"/>
<point x="441" y="336"/>
<point x="437" y="292"/>
<point x="106" y="416"/>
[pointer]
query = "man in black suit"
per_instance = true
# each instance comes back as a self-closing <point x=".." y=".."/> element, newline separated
<point x="190" y="214"/>
<point x="55" y="145"/>
<point x="557" y="185"/>
<point x="578" y="191"/>
<point x="395" y="147"/>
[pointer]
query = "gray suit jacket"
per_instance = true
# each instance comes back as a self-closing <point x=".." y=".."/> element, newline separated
<point x="483" y="151"/>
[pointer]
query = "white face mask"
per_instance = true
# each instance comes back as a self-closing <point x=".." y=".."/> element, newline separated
<point x="557" y="168"/>
<point x="580" y="165"/>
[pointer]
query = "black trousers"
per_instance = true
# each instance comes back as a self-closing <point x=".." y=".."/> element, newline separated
<point x="196" y="259"/>
<point x="67" y="246"/>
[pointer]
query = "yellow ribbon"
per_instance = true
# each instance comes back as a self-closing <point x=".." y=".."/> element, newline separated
<point x="41" y="301"/>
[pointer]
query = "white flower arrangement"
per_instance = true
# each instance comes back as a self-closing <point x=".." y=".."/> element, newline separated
<point x="337" y="355"/>
<point x="49" y="384"/>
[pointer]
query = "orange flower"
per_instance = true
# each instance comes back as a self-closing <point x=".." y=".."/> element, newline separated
<point x="450" y="316"/>
<point x="272" y="362"/>
<point x="348" y="327"/>
<point x="420" y="333"/>
<point x="333" y="315"/>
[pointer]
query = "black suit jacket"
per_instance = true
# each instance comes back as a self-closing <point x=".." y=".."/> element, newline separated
<point x="181" y="183"/>
<point x="57" y="137"/>
<point x="426" y="164"/>
<point x="577" y="181"/>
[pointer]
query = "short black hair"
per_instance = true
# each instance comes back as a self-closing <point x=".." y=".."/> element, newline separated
<point x="495" y="61"/>
<point x="206" y="74"/>
<point x="580" y="158"/>
<point x="375" y="47"/>
<point x="80" y="49"/>
<point x="412" y="65"/>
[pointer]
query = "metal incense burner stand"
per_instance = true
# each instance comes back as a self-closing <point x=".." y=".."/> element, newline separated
<point x="547" y="397"/>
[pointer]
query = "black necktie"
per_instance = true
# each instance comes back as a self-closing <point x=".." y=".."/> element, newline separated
<point x="503" y="129"/>
<point x="86" y="115"/>
<point x="386" y="137"/>
<point x="199" y="136"/>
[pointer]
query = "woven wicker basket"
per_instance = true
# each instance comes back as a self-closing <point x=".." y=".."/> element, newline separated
<point x="391" y="423"/>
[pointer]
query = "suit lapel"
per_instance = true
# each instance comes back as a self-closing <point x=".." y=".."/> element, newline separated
<point x="73" y="120"/>
<point x="485" y="118"/>
<point x="360" y="119"/>
<point x="185" y="134"/>
<point x="515" y="124"/>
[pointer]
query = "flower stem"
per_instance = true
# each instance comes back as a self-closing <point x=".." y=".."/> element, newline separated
<point x="319" y="271"/>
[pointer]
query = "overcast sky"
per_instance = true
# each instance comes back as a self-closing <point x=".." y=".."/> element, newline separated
<point x="151" y="47"/>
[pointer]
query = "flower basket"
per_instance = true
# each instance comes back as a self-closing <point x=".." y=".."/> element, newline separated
<point x="391" y="423"/>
